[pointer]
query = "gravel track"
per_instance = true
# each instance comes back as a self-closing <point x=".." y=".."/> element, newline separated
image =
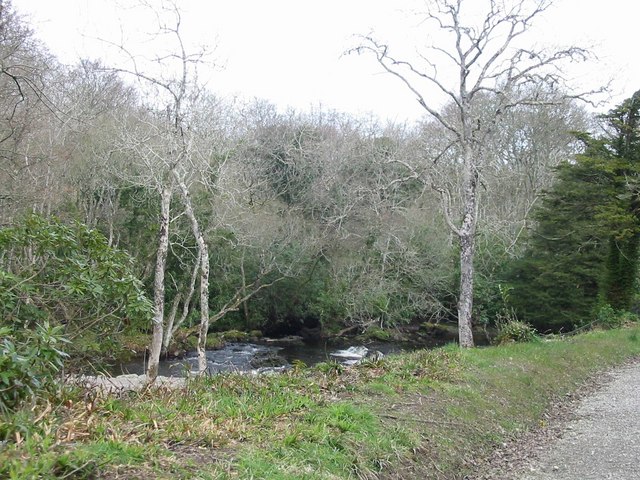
<point x="594" y="434"/>
<point x="602" y="441"/>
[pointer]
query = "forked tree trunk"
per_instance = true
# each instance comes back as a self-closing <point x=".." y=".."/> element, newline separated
<point x="172" y="328"/>
<point x="204" y="276"/>
<point x="158" y="284"/>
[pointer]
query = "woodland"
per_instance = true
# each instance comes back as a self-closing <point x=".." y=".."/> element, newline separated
<point x="136" y="203"/>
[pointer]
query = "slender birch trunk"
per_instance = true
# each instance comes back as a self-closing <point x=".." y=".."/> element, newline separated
<point x="158" y="284"/>
<point x="204" y="276"/>
<point x="170" y="321"/>
<point x="186" y="303"/>
<point x="204" y="307"/>
<point x="245" y="306"/>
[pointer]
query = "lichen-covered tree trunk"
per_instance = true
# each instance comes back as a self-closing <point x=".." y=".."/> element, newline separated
<point x="204" y="307"/>
<point x="158" y="284"/>
<point x="467" y="239"/>
<point x="204" y="276"/>
<point x="465" y="299"/>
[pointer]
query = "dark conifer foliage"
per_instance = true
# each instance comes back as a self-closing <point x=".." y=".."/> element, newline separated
<point x="584" y="250"/>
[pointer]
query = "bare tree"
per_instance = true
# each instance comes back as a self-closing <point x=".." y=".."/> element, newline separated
<point x="169" y="151"/>
<point x="24" y="106"/>
<point x="489" y="60"/>
<point x="518" y="164"/>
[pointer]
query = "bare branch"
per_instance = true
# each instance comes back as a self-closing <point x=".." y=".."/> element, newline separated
<point x="389" y="63"/>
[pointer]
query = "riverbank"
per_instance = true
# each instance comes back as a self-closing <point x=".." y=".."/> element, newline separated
<point x="265" y="355"/>
<point x="235" y="350"/>
<point x="126" y="353"/>
<point x="427" y="414"/>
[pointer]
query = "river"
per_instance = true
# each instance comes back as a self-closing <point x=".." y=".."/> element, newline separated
<point x="271" y="355"/>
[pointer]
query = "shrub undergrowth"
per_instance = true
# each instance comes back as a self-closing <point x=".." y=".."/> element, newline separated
<point x="29" y="364"/>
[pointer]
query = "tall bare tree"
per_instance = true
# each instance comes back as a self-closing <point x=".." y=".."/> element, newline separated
<point x="166" y="144"/>
<point x="489" y="60"/>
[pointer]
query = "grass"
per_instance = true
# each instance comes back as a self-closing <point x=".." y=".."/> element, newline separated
<point x="426" y="414"/>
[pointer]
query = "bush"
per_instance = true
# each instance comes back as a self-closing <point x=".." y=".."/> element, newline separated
<point x="628" y="318"/>
<point x="512" y="330"/>
<point x="67" y="275"/>
<point x="607" y="317"/>
<point x="28" y="364"/>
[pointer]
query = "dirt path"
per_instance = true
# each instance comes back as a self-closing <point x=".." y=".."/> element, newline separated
<point x="601" y="441"/>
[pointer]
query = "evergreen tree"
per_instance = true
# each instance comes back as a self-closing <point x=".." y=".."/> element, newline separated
<point x="620" y="158"/>
<point x="584" y="249"/>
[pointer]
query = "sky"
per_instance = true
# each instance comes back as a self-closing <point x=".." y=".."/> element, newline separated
<point x="292" y="52"/>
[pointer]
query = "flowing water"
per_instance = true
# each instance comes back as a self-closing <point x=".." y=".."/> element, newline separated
<point x="265" y="357"/>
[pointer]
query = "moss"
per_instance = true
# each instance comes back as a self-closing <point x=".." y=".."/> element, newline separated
<point x="439" y="330"/>
<point x="214" y="341"/>
<point x="234" y="336"/>
<point x="376" y="333"/>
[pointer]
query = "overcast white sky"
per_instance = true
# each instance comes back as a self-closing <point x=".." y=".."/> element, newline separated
<point x="290" y="51"/>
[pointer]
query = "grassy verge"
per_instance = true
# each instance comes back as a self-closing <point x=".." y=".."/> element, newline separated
<point x="428" y="414"/>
